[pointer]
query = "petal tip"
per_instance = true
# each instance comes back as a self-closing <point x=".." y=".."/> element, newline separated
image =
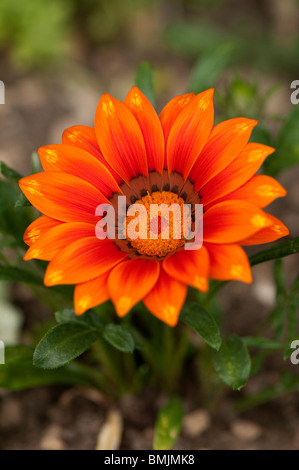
<point x="53" y="277"/>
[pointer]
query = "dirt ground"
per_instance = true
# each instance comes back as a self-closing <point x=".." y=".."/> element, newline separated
<point x="56" y="418"/>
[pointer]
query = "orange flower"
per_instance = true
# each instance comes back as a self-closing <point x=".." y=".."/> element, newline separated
<point x="176" y="157"/>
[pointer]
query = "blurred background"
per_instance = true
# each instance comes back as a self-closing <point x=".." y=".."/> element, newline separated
<point x="56" y="59"/>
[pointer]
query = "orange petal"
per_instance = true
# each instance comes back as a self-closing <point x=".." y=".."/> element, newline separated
<point x="62" y="196"/>
<point x="57" y="238"/>
<point x="231" y="221"/>
<point x="89" y="294"/>
<point x="170" y="112"/>
<point x="78" y="162"/>
<point x="269" y="234"/>
<point x="84" y="137"/>
<point x="229" y="262"/>
<point x="150" y="126"/>
<point x="120" y="138"/>
<point x="40" y="226"/>
<point x="189" y="133"/>
<point x="225" y="143"/>
<point x="260" y="190"/>
<point x="237" y="173"/>
<point x="189" y="267"/>
<point x="166" y="298"/>
<point x="82" y="261"/>
<point x="130" y="281"/>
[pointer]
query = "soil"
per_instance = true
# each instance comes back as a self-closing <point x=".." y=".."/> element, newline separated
<point x="58" y="418"/>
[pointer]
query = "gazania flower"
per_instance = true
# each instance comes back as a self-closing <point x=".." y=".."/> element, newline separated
<point x="177" y="157"/>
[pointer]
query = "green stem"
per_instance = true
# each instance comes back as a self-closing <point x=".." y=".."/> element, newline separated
<point x="107" y="360"/>
<point x="177" y="360"/>
<point x="280" y="251"/>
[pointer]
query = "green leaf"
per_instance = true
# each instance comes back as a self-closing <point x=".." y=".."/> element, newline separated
<point x="144" y="80"/>
<point x="63" y="343"/>
<point x="286" y="383"/>
<point x="279" y="277"/>
<point x="277" y="319"/>
<point x="119" y="337"/>
<point x="232" y="362"/>
<point x="243" y="97"/>
<point x="139" y="341"/>
<point x="292" y="318"/>
<point x="191" y="38"/>
<point x="261" y="134"/>
<point x="13" y="274"/>
<point x="168" y="424"/>
<point x="295" y="286"/>
<point x="13" y="221"/>
<point x="18" y="372"/>
<point x="263" y="343"/>
<point x="89" y="318"/>
<point x="288" y="350"/>
<point x="203" y="323"/>
<point x="36" y="166"/>
<point x="22" y="201"/>
<point x="287" y="153"/>
<point x="8" y="172"/>
<point x="279" y="251"/>
<point x="209" y="67"/>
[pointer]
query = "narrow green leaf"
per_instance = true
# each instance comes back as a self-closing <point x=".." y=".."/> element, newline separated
<point x="13" y="274"/>
<point x="263" y="343"/>
<point x="144" y="80"/>
<point x="295" y="286"/>
<point x="209" y="67"/>
<point x="62" y="344"/>
<point x="204" y="324"/>
<point x="279" y="251"/>
<point x="119" y="337"/>
<point x="287" y="153"/>
<point x="18" y="372"/>
<point x="168" y="424"/>
<point x="279" y="277"/>
<point x="8" y="172"/>
<point x="286" y="383"/>
<point x="289" y="350"/>
<point x="292" y="319"/>
<point x="277" y="319"/>
<point x="232" y="362"/>
<point x="7" y="243"/>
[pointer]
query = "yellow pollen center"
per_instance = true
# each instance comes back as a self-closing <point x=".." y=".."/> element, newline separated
<point x="161" y="228"/>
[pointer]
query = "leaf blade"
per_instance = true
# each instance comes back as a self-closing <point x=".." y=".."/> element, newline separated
<point x="168" y="424"/>
<point x="119" y="337"/>
<point x="203" y="323"/>
<point x="62" y="344"/>
<point x="144" y="80"/>
<point x="232" y="362"/>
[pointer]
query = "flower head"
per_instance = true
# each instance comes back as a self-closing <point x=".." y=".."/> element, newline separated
<point x="179" y="158"/>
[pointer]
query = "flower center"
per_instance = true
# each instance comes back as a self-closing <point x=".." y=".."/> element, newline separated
<point x="157" y="228"/>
